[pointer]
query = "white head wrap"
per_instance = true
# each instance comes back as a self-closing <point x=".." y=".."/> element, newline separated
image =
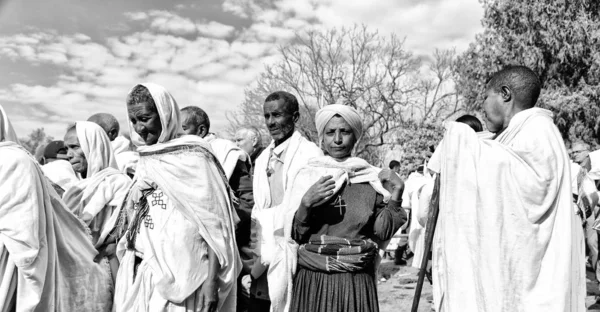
<point x="168" y="111"/>
<point x="349" y="114"/>
<point x="96" y="147"/>
<point x="7" y="133"/>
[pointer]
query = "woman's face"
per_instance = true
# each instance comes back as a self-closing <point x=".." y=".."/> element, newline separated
<point x="75" y="154"/>
<point x="338" y="138"/>
<point x="146" y="121"/>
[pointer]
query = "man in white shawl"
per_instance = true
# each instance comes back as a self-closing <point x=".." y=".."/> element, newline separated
<point x="275" y="167"/>
<point x="179" y="251"/>
<point x="98" y="197"/>
<point x="46" y="256"/>
<point x="125" y="156"/>
<point x="508" y="237"/>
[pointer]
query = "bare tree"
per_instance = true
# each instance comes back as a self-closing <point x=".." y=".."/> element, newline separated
<point x="357" y="67"/>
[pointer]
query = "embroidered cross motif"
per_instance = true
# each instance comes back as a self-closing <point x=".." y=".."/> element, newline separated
<point x="157" y="200"/>
<point x="148" y="222"/>
<point x="340" y="204"/>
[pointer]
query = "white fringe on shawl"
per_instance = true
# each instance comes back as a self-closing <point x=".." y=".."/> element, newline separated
<point x="507" y="237"/>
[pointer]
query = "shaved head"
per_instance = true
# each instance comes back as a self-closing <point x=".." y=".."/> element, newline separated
<point x="522" y="82"/>
<point x="195" y="121"/>
<point x="107" y="122"/>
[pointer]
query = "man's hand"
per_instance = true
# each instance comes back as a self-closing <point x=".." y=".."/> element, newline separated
<point x="319" y="192"/>
<point x="106" y="251"/>
<point x="209" y="296"/>
<point x="246" y="283"/>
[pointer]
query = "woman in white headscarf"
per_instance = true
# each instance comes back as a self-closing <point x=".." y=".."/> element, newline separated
<point x="46" y="256"/>
<point x="344" y="213"/>
<point x="98" y="197"/>
<point x="179" y="251"/>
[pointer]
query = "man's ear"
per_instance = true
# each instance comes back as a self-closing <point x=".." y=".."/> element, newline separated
<point x="113" y="134"/>
<point x="254" y="142"/>
<point x="202" y="131"/>
<point x="296" y="116"/>
<point x="505" y="93"/>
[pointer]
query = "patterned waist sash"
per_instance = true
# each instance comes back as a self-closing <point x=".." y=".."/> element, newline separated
<point x="337" y="255"/>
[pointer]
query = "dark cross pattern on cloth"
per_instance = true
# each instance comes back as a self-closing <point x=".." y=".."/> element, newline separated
<point x="158" y="200"/>
<point x="148" y="222"/>
<point x="340" y="204"/>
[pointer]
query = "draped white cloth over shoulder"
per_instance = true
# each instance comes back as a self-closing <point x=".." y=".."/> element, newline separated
<point x="98" y="198"/>
<point x="507" y="237"/>
<point x="61" y="173"/>
<point x="7" y="133"/>
<point x="284" y="255"/>
<point x="265" y="239"/>
<point x="174" y="266"/>
<point x="46" y="256"/>
<point x="226" y="152"/>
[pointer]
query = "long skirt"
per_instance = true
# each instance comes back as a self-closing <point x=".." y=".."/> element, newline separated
<point x="334" y="292"/>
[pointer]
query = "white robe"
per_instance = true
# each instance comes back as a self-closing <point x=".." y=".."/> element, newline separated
<point x="410" y="198"/>
<point x="227" y="153"/>
<point x="193" y="214"/>
<point x="507" y="237"/>
<point x="46" y="256"/>
<point x="61" y="173"/>
<point x="265" y="242"/>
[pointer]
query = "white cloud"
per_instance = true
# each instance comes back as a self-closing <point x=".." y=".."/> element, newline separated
<point x="204" y="62"/>
<point x="215" y="30"/>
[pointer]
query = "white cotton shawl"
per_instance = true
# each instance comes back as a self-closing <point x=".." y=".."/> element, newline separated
<point x="283" y="254"/>
<point x="7" y="133"/>
<point x="61" y="173"/>
<point x="507" y="238"/>
<point x="98" y="198"/>
<point x="194" y="183"/>
<point x="46" y="256"/>
<point x="416" y="236"/>
<point x="264" y="241"/>
<point x="120" y="144"/>
<point x="226" y="152"/>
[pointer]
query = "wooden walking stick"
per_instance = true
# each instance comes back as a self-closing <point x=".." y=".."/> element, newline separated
<point x="434" y="211"/>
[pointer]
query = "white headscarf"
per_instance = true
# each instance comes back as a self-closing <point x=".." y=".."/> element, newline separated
<point x="349" y="114"/>
<point x="96" y="147"/>
<point x="168" y="110"/>
<point x="7" y="133"/>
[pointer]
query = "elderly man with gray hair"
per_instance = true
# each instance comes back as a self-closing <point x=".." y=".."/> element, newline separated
<point x="250" y="141"/>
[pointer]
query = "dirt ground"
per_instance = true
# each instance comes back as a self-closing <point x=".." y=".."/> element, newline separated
<point x="397" y="291"/>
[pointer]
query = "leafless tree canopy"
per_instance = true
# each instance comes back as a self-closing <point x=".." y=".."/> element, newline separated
<point x="357" y="67"/>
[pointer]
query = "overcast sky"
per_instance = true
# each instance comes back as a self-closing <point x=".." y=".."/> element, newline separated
<point x="63" y="60"/>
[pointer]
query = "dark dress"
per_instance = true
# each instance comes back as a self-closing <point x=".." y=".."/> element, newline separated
<point x="358" y="212"/>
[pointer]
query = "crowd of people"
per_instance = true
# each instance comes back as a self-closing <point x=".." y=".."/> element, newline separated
<point x="175" y="218"/>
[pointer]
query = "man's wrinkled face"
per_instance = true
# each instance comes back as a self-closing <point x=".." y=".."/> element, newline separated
<point x="75" y="154"/>
<point x="146" y="121"/>
<point x="493" y="111"/>
<point x="279" y="120"/>
<point x="579" y="153"/>
<point x="245" y="141"/>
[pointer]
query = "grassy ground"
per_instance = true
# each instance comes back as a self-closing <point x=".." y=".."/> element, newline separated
<point x="397" y="291"/>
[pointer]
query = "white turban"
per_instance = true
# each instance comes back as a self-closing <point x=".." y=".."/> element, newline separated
<point x="349" y="114"/>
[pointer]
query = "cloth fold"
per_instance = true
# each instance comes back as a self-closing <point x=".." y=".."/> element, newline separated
<point x="47" y="257"/>
<point x="507" y="237"/>
<point x="185" y="169"/>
